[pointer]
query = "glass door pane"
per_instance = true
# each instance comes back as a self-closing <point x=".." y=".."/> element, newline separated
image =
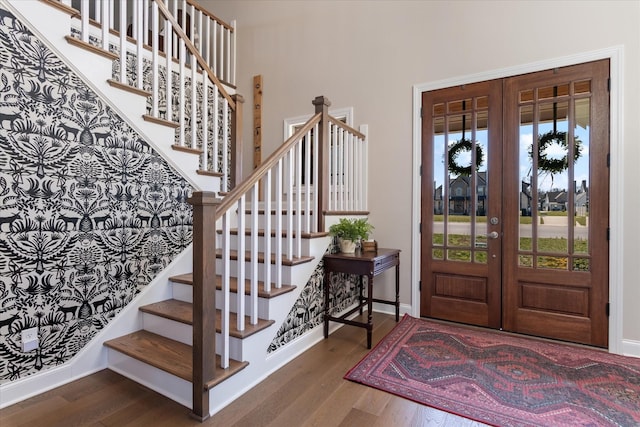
<point x="554" y="177"/>
<point x="460" y="158"/>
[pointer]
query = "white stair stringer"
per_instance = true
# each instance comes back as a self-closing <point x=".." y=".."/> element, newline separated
<point x="51" y="26"/>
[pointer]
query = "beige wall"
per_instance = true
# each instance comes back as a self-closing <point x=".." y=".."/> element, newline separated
<point x="370" y="54"/>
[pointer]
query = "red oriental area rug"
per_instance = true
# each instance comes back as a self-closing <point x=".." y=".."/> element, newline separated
<point x="499" y="379"/>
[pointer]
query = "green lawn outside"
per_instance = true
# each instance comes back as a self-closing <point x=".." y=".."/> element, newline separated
<point x="545" y="245"/>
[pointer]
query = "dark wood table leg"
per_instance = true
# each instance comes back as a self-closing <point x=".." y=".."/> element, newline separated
<point x="361" y="285"/>
<point x="398" y="292"/>
<point x="369" y="308"/>
<point x="327" y="282"/>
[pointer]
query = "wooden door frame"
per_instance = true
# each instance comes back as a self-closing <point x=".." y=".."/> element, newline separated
<point x="616" y="185"/>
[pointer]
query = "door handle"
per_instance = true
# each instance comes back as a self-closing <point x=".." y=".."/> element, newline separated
<point x="493" y="235"/>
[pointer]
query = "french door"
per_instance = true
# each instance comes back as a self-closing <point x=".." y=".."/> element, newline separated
<point x="515" y="203"/>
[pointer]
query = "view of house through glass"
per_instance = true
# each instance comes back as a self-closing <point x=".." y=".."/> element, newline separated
<point x="460" y="179"/>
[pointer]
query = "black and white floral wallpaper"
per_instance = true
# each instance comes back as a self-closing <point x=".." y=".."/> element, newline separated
<point x="90" y="213"/>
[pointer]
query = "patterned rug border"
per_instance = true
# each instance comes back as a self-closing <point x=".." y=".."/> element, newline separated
<point x="443" y="393"/>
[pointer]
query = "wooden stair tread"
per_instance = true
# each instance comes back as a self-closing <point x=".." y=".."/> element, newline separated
<point x="163" y="122"/>
<point x="128" y="88"/>
<point x="168" y="355"/>
<point x="209" y="173"/>
<point x="262" y="232"/>
<point x="187" y="279"/>
<point x="186" y="149"/>
<point x="173" y="309"/>
<point x="63" y="7"/>
<point x="285" y="261"/>
<point x="182" y="312"/>
<point x="91" y="48"/>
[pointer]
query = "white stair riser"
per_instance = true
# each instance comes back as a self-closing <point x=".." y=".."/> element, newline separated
<point x="184" y="333"/>
<point x="285" y="222"/>
<point x="234" y="242"/>
<point x="233" y="266"/>
<point x="156" y="379"/>
<point x="263" y="304"/>
<point x="182" y="292"/>
<point x="185" y="293"/>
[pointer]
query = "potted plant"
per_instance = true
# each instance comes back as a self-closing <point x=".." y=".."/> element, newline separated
<point x="350" y="231"/>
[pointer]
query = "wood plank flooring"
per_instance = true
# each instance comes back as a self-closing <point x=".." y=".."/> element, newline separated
<point x="308" y="391"/>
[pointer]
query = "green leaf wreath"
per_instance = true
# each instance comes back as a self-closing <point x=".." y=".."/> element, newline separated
<point x="454" y="150"/>
<point x="554" y="166"/>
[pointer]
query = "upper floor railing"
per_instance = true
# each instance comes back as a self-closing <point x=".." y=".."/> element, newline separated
<point x="174" y="58"/>
<point x="214" y="38"/>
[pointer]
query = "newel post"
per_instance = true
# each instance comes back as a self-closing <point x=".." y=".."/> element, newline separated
<point x="236" y="141"/>
<point x="322" y="105"/>
<point x="204" y="298"/>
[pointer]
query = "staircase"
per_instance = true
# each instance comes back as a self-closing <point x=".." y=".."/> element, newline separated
<point x="256" y="241"/>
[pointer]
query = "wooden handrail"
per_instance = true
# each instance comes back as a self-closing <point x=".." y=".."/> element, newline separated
<point x="210" y="15"/>
<point x="192" y="49"/>
<point x="259" y="172"/>
<point x="346" y="127"/>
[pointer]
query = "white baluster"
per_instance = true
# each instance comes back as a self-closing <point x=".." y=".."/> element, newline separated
<point x="194" y="102"/>
<point x="123" y="42"/>
<point x="297" y="227"/>
<point x="278" y="218"/>
<point x="316" y="160"/>
<point x="84" y="21"/>
<point x="267" y="230"/>
<point x="349" y="172"/>
<point x="255" y="206"/>
<point x="214" y="47"/>
<point x="225" y="144"/>
<point x="226" y="291"/>
<point x="307" y="181"/>
<point x="289" y="218"/>
<point x="206" y="42"/>
<point x="168" y="49"/>
<point x="205" y="121"/>
<point x="106" y="24"/>
<point x="241" y="273"/>
<point x="155" y="72"/>
<point x="181" y="91"/>
<point x="138" y="19"/>
<point x="233" y="49"/>
<point x="341" y="170"/>
<point x="145" y="22"/>
<point x="216" y="134"/>
<point x="222" y="68"/>
<point x="333" y="200"/>
<point x="364" y="129"/>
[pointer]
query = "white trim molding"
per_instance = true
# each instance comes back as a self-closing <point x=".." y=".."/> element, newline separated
<point x="616" y="185"/>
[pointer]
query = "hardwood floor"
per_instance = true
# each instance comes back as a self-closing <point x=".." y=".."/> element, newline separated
<point x="308" y="391"/>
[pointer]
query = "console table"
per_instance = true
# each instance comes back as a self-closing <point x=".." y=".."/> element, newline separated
<point x="368" y="264"/>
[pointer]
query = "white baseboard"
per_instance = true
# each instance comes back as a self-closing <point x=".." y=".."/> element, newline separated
<point x="631" y="348"/>
<point x="389" y="309"/>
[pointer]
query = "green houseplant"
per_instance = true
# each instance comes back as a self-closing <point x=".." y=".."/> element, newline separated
<point x="350" y="231"/>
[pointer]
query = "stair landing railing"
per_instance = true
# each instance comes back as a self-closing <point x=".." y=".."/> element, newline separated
<point x="183" y="58"/>
<point x="321" y="169"/>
